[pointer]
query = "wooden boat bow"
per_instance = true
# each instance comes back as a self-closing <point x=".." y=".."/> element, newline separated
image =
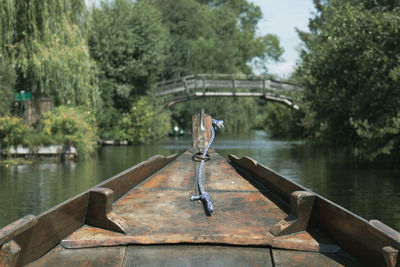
<point x="144" y="216"/>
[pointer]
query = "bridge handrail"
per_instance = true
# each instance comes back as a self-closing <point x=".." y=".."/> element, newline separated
<point x="198" y="85"/>
<point x="271" y="83"/>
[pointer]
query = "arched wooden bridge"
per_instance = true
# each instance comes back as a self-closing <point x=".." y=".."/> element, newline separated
<point x="213" y="85"/>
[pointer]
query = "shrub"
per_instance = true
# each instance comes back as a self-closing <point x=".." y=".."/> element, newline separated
<point x="73" y="126"/>
<point x="283" y="122"/>
<point x="143" y="124"/>
<point x="12" y="132"/>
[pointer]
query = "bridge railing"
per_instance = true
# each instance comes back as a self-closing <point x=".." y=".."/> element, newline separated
<point x="203" y="82"/>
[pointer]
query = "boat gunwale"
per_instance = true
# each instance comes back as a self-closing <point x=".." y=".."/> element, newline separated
<point x="352" y="232"/>
<point x="54" y="224"/>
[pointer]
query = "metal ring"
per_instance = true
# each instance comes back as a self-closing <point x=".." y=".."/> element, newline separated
<point x="199" y="157"/>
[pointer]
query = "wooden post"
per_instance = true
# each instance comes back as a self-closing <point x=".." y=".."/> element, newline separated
<point x="233" y="87"/>
<point x="202" y="124"/>
<point x="204" y="86"/>
<point x="391" y="256"/>
<point x="9" y="253"/>
<point x="301" y="203"/>
<point x="100" y="212"/>
<point x="186" y="88"/>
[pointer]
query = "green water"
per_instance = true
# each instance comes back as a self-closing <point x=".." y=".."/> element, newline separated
<point x="371" y="192"/>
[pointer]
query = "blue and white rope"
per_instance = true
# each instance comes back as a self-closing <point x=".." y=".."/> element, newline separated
<point x="204" y="196"/>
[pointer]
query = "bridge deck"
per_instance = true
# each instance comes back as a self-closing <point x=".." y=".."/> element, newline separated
<point x="202" y="85"/>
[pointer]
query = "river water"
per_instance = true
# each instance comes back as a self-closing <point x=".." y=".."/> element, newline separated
<point x="369" y="191"/>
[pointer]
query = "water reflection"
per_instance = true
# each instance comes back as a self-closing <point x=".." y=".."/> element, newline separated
<point x="371" y="193"/>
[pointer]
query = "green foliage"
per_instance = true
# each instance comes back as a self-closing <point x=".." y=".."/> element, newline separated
<point x="128" y="41"/>
<point x="282" y="122"/>
<point x="12" y="132"/>
<point x="214" y="37"/>
<point x="74" y="126"/>
<point x="46" y="42"/>
<point x="351" y="69"/>
<point x="143" y="124"/>
<point x="238" y="114"/>
<point x="7" y="81"/>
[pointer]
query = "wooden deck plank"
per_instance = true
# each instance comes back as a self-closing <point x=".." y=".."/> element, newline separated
<point x="290" y="258"/>
<point x="199" y="256"/>
<point x="88" y="257"/>
<point x="160" y="212"/>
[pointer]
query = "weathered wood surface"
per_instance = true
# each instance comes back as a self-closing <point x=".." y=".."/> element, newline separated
<point x="222" y="82"/>
<point x="195" y="86"/>
<point x="62" y="220"/>
<point x="201" y="131"/>
<point x="290" y="258"/>
<point x="100" y="212"/>
<point x="354" y="234"/>
<point x="9" y="253"/>
<point x="166" y="255"/>
<point x="97" y="257"/>
<point x="301" y="203"/>
<point x="10" y="231"/>
<point x="159" y="211"/>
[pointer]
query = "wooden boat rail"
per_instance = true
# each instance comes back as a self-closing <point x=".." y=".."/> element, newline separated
<point x="261" y="218"/>
<point x="31" y="237"/>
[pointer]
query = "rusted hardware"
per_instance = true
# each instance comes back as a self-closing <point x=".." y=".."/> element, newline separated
<point x="391" y="256"/>
<point x="9" y="253"/>
<point x="100" y="212"/>
<point x="199" y="157"/>
<point x="301" y="203"/>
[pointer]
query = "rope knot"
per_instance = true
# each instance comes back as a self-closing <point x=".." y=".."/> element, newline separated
<point x="206" y="199"/>
<point x="218" y="124"/>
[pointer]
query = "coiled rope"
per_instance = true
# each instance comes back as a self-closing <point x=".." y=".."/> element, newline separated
<point x="204" y="196"/>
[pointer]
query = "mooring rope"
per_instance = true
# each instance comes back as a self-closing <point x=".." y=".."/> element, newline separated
<point x="204" y="196"/>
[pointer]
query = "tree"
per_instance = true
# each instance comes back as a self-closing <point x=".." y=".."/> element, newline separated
<point x="215" y="37"/>
<point x="7" y="81"/>
<point x="45" y="42"/>
<point x="351" y="69"/>
<point x="129" y="43"/>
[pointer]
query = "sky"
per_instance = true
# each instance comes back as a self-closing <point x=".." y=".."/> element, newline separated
<point x="280" y="17"/>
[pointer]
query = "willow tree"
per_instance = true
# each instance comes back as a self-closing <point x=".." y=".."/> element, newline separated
<point x="7" y="74"/>
<point x="46" y="44"/>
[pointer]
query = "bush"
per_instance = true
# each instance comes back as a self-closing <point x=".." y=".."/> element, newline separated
<point x="143" y="124"/>
<point x="73" y="127"/>
<point x="12" y="132"/>
<point x="283" y="122"/>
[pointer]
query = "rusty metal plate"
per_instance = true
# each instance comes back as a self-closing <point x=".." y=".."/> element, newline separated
<point x="88" y="257"/>
<point x="290" y="258"/>
<point x="196" y="256"/>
